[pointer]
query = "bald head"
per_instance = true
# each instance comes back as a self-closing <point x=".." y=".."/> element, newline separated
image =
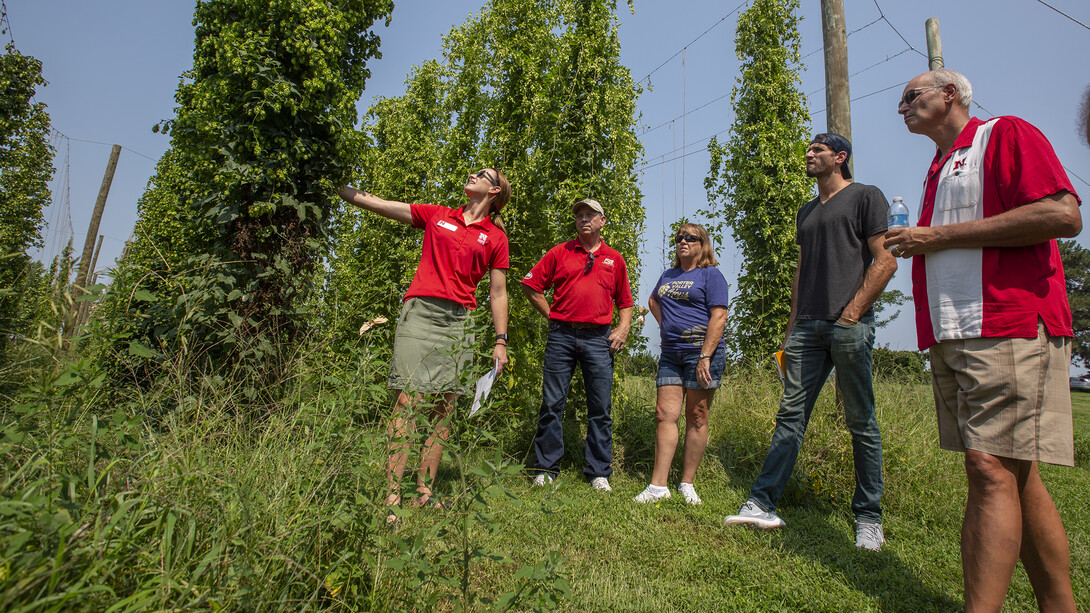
<point x="1084" y="117"/>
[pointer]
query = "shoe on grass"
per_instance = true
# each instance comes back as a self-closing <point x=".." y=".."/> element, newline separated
<point x="869" y="536"/>
<point x="653" y="493"/>
<point x="752" y="515"/>
<point x="542" y="479"/>
<point x="601" y="484"/>
<point x="688" y="492"/>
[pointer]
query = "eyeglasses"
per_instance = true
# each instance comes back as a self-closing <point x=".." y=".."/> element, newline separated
<point x="911" y="95"/>
<point x="483" y="174"/>
<point x="590" y="264"/>
<point x="688" y="238"/>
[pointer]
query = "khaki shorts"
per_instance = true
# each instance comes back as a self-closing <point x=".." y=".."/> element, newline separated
<point x="432" y="347"/>
<point x="1008" y="397"/>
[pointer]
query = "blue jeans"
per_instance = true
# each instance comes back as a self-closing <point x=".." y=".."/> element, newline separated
<point x="590" y="348"/>
<point x="812" y="350"/>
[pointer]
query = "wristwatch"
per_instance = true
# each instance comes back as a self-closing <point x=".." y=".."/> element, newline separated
<point x="501" y="337"/>
<point x="702" y="356"/>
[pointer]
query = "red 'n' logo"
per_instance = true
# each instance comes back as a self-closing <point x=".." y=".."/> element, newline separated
<point x="958" y="165"/>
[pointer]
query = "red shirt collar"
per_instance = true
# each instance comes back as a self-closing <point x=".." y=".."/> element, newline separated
<point x="485" y="222"/>
<point x="964" y="139"/>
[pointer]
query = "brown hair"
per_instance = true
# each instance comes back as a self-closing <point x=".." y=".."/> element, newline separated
<point x="706" y="257"/>
<point x="500" y="200"/>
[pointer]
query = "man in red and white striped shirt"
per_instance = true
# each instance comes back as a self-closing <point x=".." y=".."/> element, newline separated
<point x="991" y="306"/>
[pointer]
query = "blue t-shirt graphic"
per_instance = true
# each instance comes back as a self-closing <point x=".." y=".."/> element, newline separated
<point x="686" y="298"/>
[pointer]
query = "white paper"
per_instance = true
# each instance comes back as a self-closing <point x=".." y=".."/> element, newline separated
<point x="484" y="385"/>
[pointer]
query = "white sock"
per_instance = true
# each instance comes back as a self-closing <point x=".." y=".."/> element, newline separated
<point x="682" y="484"/>
<point x="658" y="490"/>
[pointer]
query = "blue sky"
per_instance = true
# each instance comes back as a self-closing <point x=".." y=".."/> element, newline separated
<point x="113" y="66"/>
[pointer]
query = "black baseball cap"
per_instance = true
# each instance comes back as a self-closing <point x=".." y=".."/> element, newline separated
<point x="837" y="143"/>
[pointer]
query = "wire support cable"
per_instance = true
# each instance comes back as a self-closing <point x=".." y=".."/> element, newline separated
<point x="679" y="117"/>
<point x="848" y="35"/>
<point x="680" y="51"/>
<point x="5" y="23"/>
<point x="875" y="65"/>
<point x="1064" y="14"/>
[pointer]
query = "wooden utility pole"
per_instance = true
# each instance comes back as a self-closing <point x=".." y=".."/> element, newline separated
<point x="838" y="108"/>
<point x="934" y="44"/>
<point x="96" y="218"/>
<point x="84" y="272"/>
<point x="94" y="260"/>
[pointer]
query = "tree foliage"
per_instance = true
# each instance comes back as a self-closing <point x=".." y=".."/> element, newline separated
<point x="757" y="179"/>
<point x="235" y="220"/>
<point x="533" y="87"/>
<point x="26" y="167"/>
<point x="1076" y="262"/>
<point x="888" y="299"/>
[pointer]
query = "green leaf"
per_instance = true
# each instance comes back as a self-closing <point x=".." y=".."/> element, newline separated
<point x="140" y="350"/>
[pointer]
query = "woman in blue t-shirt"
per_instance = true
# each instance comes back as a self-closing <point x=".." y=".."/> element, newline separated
<point x="690" y="303"/>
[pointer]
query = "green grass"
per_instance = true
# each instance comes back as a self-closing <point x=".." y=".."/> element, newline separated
<point x="673" y="557"/>
<point x="199" y="510"/>
<point x="1080" y="409"/>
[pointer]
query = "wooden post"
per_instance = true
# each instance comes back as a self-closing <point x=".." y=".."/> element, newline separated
<point x="96" y="218"/>
<point x="934" y="44"/>
<point x="84" y="272"/>
<point x="838" y="109"/>
<point x="98" y="250"/>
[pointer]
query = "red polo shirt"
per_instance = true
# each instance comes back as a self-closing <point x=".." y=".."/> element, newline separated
<point x="456" y="256"/>
<point x="579" y="297"/>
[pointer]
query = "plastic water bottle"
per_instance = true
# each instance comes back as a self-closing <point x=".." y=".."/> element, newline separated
<point x="898" y="215"/>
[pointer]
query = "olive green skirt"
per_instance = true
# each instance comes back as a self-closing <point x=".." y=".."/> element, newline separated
<point x="433" y="347"/>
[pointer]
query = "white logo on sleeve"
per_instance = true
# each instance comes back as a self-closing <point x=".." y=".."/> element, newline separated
<point x="529" y="275"/>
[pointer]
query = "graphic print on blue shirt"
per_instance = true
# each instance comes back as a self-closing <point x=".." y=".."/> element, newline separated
<point x="686" y="299"/>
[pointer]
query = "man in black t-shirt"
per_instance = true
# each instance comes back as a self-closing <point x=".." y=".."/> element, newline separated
<point x="842" y="269"/>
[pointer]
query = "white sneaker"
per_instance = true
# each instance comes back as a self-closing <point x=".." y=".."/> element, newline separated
<point x="652" y="493"/>
<point x="688" y="492"/>
<point x="751" y="515"/>
<point x="601" y="484"/>
<point x="869" y="536"/>
<point x="542" y="479"/>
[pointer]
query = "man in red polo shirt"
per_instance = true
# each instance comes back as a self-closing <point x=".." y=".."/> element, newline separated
<point x="991" y="306"/>
<point x="588" y="278"/>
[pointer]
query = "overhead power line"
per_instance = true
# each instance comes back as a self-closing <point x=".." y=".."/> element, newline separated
<point x="1064" y="14"/>
<point x="680" y="51"/>
<point x="5" y="23"/>
<point x="98" y="142"/>
<point x="859" y="29"/>
<point x="689" y="112"/>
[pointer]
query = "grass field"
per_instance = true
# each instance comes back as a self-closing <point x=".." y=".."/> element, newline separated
<point x="1080" y="409"/>
<point x="104" y="509"/>
<point x="673" y="557"/>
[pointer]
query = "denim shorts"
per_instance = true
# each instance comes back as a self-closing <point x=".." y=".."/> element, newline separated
<point x="679" y="368"/>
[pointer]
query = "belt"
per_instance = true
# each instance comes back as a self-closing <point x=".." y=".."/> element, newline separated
<point x="579" y="325"/>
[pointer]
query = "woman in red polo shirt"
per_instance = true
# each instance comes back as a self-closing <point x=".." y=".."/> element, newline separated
<point x="432" y="346"/>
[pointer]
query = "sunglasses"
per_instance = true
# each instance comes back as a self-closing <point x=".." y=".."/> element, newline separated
<point x="911" y="95"/>
<point x="688" y="238"/>
<point x="483" y="174"/>
<point x="590" y="264"/>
